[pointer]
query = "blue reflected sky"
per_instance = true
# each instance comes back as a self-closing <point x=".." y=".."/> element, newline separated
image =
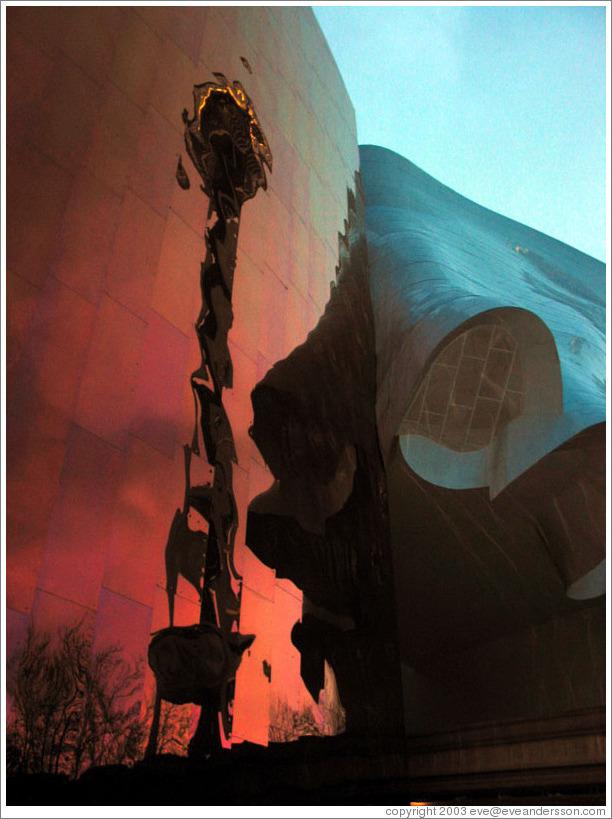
<point x="504" y="104"/>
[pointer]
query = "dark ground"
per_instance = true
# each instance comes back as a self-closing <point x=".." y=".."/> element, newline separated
<point x="310" y="771"/>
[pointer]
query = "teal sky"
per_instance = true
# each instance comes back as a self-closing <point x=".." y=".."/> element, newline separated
<point x="504" y="104"/>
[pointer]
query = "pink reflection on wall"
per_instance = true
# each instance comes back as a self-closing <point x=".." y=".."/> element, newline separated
<point x="75" y="549"/>
<point x="252" y="702"/>
<point x="103" y="256"/>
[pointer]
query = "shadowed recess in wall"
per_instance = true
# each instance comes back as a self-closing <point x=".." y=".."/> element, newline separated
<point x="473" y="388"/>
<point x="198" y="663"/>
<point x="323" y="524"/>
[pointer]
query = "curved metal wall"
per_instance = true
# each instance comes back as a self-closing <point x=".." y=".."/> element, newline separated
<point x="103" y="258"/>
<point x="439" y="260"/>
<point x="493" y="538"/>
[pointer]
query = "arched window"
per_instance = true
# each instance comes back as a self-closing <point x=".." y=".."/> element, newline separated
<point x="489" y="403"/>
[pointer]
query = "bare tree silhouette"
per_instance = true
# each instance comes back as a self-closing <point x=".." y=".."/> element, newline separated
<point x="73" y="707"/>
<point x="174" y="728"/>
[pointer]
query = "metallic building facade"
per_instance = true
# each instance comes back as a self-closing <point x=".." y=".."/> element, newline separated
<point x="491" y="407"/>
<point x="490" y="342"/>
<point x="103" y="259"/>
<point x="484" y="341"/>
